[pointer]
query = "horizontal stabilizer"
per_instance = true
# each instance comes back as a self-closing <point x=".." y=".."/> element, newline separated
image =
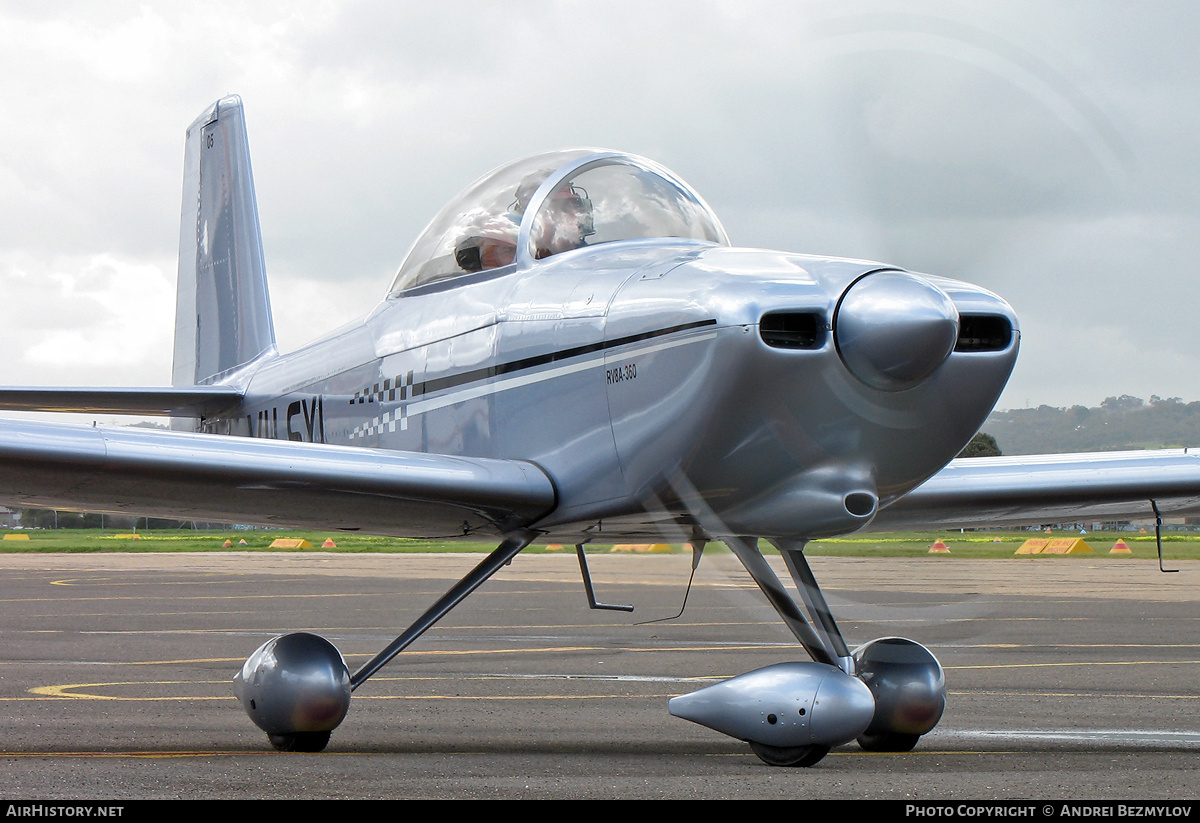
<point x="266" y="482"/>
<point x="1050" y="488"/>
<point x="179" y="401"/>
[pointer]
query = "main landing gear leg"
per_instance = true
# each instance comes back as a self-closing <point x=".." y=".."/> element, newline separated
<point x="296" y="687"/>
<point x="500" y="557"/>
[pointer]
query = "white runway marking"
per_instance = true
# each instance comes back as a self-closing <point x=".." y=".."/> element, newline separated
<point x="1149" y="737"/>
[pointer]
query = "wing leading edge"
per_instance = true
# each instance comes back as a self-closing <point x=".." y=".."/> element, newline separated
<point x="1052" y="488"/>
<point x="266" y="482"/>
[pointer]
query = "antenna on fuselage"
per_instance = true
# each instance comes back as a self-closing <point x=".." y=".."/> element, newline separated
<point x="593" y="603"/>
<point x="698" y="544"/>
<point x="1158" y="536"/>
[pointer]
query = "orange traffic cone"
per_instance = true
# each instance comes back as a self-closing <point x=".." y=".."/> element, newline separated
<point x="227" y="544"/>
<point x="939" y="547"/>
<point x="1120" y="547"/>
<point x="329" y="544"/>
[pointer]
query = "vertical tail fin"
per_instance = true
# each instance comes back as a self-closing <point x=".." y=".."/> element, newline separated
<point x="223" y="310"/>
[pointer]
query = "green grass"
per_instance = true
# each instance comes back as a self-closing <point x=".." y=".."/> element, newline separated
<point x="984" y="544"/>
<point x="166" y="540"/>
<point x="1177" y="545"/>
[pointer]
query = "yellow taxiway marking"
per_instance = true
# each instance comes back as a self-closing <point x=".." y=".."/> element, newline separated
<point x="68" y="690"/>
<point x="87" y="691"/>
<point x="412" y="653"/>
<point x="159" y="755"/>
<point x="209" y="580"/>
<point x="119" y="597"/>
<point x="71" y="691"/>
<point x="146" y="755"/>
<point x="506" y="697"/>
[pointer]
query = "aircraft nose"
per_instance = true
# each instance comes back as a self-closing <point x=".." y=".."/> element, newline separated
<point x="892" y="329"/>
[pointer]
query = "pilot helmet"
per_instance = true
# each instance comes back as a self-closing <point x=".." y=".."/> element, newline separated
<point x="564" y="222"/>
<point x="574" y="199"/>
<point x="487" y="245"/>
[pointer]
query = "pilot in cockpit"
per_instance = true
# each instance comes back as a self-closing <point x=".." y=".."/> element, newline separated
<point x="564" y="223"/>
<point x="488" y="245"/>
<point x="492" y="242"/>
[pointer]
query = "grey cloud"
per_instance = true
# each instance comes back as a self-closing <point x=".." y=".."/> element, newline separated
<point x="1044" y="151"/>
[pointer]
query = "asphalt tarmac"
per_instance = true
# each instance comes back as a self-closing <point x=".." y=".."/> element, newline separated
<point x="1068" y="678"/>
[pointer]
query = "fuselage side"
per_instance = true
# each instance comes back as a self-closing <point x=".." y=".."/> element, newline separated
<point x="638" y="377"/>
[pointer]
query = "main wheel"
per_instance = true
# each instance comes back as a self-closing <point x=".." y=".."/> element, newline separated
<point x="300" y="742"/>
<point x="789" y="755"/>
<point x="888" y="742"/>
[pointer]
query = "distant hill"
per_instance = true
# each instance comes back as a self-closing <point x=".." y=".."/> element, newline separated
<point x="1118" y="423"/>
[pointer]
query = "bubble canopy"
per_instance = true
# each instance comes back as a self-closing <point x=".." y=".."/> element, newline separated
<point x="553" y="203"/>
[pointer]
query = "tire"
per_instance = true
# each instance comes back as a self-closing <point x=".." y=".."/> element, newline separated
<point x="888" y="742"/>
<point x="789" y="755"/>
<point x="300" y="742"/>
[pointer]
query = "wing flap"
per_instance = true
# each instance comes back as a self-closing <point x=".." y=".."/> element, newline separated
<point x="1054" y="488"/>
<point x="266" y="482"/>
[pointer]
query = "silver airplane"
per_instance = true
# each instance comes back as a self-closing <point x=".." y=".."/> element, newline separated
<point x="573" y="352"/>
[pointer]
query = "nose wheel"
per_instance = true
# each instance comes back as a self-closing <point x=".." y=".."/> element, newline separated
<point x="789" y="756"/>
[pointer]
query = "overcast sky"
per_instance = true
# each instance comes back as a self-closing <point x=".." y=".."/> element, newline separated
<point x="1047" y="151"/>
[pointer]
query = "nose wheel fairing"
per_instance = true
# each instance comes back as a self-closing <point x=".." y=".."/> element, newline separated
<point x="784" y="706"/>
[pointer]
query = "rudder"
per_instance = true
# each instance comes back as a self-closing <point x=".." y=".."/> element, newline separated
<point x="223" y="309"/>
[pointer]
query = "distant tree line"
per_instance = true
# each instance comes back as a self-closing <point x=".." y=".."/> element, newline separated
<point x="49" y="519"/>
<point x="1118" y="423"/>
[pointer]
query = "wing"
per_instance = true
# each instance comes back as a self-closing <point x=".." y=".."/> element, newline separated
<point x="265" y="482"/>
<point x="1051" y="488"/>
<point x="178" y="401"/>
